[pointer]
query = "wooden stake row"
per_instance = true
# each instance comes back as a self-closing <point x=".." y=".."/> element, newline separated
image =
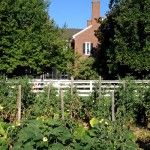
<point x="62" y="99"/>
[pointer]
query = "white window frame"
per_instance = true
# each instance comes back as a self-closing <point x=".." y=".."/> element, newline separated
<point x="88" y="48"/>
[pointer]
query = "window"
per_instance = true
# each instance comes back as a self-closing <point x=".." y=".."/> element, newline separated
<point x="87" y="48"/>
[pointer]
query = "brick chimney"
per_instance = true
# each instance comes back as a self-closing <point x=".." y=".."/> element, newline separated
<point x="95" y="10"/>
<point x="89" y="22"/>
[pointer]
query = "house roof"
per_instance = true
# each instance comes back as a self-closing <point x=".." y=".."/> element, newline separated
<point x="81" y="31"/>
<point x="68" y="33"/>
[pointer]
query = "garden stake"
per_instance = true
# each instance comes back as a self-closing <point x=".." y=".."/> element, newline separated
<point x="124" y="84"/>
<point x="49" y="90"/>
<point x="72" y="85"/>
<point x="100" y="89"/>
<point x="72" y="80"/>
<point x="113" y="106"/>
<point x="62" y="104"/>
<point x="19" y="103"/>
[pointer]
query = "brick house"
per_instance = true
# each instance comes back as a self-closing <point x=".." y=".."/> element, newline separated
<point x="84" y="41"/>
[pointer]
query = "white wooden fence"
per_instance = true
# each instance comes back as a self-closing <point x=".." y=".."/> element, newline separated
<point x="83" y="87"/>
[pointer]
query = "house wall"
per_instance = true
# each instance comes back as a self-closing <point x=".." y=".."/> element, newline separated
<point x="86" y="36"/>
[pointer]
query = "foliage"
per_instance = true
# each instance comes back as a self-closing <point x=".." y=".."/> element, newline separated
<point x="27" y="96"/>
<point x="94" y="106"/>
<point x="3" y="135"/>
<point x="43" y="134"/>
<point x="29" y="41"/>
<point x="84" y="69"/>
<point x="132" y="103"/>
<point x="124" y="39"/>
<point x="108" y="135"/>
<point x="9" y="96"/>
<point x="50" y="104"/>
<point x="8" y="99"/>
<point x="87" y="124"/>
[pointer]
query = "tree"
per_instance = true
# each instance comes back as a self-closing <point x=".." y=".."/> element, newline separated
<point x="29" y="40"/>
<point x="124" y="37"/>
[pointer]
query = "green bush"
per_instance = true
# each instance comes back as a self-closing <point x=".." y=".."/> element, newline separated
<point x="133" y="103"/>
<point x="46" y="105"/>
<point x="8" y="99"/>
<point x="9" y="96"/>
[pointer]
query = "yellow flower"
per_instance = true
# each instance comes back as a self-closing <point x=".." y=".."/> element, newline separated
<point x="18" y="123"/>
<point x="45" y="139"/>
<point x="56" y="116"/>
<point x="106" y="122"/>
<point x="101" y="120"/>
<point x="40" y="117"/>
<point x="1" y="107"/>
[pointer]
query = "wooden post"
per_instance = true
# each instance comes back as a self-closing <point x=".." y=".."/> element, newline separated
<point x="114" y="87"/>
<point x="124" y="84"/>
<point x="113" y="106"/>
<point x="49" y="90"/>
<point x="100" y="89"/>
<point x="72" y="85"/>
<point x="62" y="104"/>
<point x="19" y="103"/>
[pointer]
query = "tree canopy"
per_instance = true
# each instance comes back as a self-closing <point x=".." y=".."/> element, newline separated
<point x="124" y="37"/>
<point x="28" y="37"/>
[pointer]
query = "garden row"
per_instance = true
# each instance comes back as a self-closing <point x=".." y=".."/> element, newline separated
<point x="87" y="122"/>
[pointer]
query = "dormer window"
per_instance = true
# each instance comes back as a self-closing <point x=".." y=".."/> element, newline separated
<point x="87" y="48"/>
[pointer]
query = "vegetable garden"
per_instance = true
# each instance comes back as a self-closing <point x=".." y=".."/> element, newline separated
<point x="79" y="123"/>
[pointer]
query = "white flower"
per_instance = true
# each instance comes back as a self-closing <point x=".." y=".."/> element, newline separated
<point x="45" y="139"/>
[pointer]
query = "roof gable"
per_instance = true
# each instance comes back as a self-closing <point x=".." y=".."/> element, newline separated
<point x="81" y="31"/>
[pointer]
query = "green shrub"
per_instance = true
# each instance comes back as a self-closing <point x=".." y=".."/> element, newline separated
<point x="133" y="103"/>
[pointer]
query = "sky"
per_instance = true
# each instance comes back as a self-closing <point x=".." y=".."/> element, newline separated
<point x="74" y="13"/>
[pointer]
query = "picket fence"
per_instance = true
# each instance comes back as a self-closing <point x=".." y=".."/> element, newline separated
<point x="83" y="87"/>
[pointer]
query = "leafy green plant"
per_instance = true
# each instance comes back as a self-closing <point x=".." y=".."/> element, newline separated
<point x="8" y="99"/>
<point x="110" y="135"/>
<point x="44" y="105"/>
<point x="87" y="124"/>
<point x="9" y="95"/>
<point x="43" y="133"/>
<point x="132" y="102"/>
<point x="3" y="135"/>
